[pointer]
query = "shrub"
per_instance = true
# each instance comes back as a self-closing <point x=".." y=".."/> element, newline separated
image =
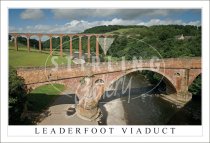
<point x="17" y="97"/>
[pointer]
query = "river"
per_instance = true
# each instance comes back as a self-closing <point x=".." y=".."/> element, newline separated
<point x="145" y="107"/>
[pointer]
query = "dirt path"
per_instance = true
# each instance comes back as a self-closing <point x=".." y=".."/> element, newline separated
<point x="58" y="112"/>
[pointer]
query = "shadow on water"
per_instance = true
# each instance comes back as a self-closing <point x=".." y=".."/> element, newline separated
<point x="115" y="94"/>
<point x="148" y="110"/>
<point x="190" y="114"/>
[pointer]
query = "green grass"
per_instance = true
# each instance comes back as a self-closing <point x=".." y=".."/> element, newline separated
<point x="23" y="58"/>
<point x="41" y="97"/>
<point x="128" y="31"/>
<point x="121" y="31"/>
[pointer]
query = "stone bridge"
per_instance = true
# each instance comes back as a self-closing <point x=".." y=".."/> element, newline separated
<point x="90" y="81"/>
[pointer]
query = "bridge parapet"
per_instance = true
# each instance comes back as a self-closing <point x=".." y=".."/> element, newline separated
<point x="192" y="63"/>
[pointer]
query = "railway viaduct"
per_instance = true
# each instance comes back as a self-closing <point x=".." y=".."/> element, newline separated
<point x="80" y="36"/>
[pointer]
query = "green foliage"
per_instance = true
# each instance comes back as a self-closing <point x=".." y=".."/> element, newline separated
<point x="17" y="97"/>
<point x="153" y="77"/>
<point x="159" y="41"/>
<point x="195" y="87"/>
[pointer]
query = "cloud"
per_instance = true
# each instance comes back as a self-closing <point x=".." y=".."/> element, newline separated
<point x="32" y="14"/>
<point x="118" y="13"/>
<point x="77" y="26"/>
<point x="197" y="23"/>
<point x="168" y="22"/>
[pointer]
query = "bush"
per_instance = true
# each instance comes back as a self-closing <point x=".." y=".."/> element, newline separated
<point x="195" y="87"/>
<point x="17" y="97"/>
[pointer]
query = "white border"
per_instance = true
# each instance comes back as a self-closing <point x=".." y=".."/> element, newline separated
<point x="105" y="4"/>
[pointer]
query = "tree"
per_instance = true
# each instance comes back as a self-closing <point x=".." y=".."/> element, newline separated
<point x="17" y="97"/>
<point x="195" y="87"/>
<point x="10" y="37"/>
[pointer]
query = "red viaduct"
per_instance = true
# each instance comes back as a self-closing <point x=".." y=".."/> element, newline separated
<point x="40" y="35"/>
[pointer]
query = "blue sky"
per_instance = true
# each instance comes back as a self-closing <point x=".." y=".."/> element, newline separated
<point x="77" y="20"/>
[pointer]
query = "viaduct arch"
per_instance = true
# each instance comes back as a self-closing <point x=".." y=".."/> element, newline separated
<point x="164" y="77"/>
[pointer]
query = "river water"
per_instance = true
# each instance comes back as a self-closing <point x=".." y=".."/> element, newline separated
<point x="143" y="106"/>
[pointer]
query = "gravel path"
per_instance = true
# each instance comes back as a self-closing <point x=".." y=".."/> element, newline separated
<point x="58" y="112"/>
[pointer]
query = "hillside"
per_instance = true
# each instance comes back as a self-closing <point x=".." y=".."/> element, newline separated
<point x="164" y="40"/>
<point x="109" y="28"/>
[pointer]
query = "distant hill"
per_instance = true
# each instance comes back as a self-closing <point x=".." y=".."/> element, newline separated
<point x="109" y="28"/>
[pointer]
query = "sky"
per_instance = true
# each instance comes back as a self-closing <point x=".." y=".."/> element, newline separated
<point x="77" y="20"/>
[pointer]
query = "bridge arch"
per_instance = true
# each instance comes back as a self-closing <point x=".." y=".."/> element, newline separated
<point x="75" y="45"/>
<point x="25" y="38"/>
<point x="92" y="44"/>
<point x="170" y="84"/>
<point x="32" y="41"/>
<point x="43" y="39"/>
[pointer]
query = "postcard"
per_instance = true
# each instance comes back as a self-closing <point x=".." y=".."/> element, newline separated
<point x="92" y="71"/>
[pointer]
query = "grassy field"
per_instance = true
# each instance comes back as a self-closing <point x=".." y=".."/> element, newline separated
<point x="129" y="31"/>
<point x="40" y="98"/>
<point x="23" y="58"/>
<point x="120" y="31"/>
